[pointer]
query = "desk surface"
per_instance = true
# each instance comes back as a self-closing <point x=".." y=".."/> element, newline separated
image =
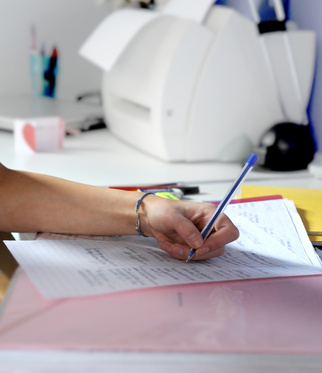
<point x="100" y="159"/>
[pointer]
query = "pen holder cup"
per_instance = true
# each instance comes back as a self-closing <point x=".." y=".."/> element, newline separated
<point x="37" y="75"/>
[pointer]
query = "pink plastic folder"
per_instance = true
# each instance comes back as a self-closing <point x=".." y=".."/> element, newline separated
<point x="279" y="315"/>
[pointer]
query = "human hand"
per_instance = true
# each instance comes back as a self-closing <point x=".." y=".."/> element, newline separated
<point x="176" y="225"/>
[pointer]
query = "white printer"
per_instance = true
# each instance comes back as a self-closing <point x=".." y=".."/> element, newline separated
<point x="192" y="83"/>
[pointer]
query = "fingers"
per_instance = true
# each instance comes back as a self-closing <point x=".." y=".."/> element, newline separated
<point x="188" y="232"/>
<point x="180" y="230"/>
<point x="175" y="249"/>
<point x="186" y="236"/>
<point x="210" y="254"/>
<point x="214" y="245"/>
<point x="181" y="252"/>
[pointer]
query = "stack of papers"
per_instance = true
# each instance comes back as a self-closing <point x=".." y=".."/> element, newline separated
<point x="272" y="243"/>
<point x="307" y="201"/>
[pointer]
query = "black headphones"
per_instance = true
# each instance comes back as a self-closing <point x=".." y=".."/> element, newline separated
<point x="286" y="147"/>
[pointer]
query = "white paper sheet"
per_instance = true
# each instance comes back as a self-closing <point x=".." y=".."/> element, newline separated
<point x="280" y="219"/>
<point x="108" y="41"/>
<point x="190" y="9"/>
<point x="66" y="268"/>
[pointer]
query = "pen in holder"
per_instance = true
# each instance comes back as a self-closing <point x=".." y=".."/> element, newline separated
<point x="50" y="74"/>
<point x="43" y="70"/>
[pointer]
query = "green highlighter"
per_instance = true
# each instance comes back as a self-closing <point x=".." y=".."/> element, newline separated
<point x="166" y="195"/>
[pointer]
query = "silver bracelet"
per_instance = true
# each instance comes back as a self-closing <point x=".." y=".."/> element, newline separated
<point x="138" y="204"/>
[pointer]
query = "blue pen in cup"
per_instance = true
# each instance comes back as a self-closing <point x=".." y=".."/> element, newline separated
<point x="250" y="163"/>
<point x="50" y="74"/>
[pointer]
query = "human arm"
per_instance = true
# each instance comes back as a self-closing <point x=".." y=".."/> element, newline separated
<point x="32" y="202"/>
<point x="40" y="203"/>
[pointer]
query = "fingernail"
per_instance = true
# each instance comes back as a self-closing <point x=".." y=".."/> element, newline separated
<point x="203" y="251"/>
<point x="195" y="240"/>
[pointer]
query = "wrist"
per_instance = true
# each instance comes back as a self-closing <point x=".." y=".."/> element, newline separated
<point x="142" y="221"/>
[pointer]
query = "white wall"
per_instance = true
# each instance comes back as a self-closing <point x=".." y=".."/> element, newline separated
<point x="64" y="23"/>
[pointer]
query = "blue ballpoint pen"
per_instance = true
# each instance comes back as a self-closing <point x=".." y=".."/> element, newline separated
<point x="225" y="202"/>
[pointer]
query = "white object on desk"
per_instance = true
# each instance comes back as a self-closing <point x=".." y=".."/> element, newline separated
<point x="176" y="91"/>
<point x="39" y="134"/>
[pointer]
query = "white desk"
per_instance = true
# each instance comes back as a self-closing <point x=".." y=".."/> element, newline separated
<point x="100" y="159"/>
